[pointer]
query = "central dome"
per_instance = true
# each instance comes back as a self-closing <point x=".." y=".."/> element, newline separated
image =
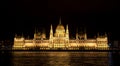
<point x="60" y="27"/>
<point x="60" y="30"/>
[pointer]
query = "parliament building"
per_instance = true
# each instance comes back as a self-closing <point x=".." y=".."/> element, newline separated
<point x="60" y="40"/>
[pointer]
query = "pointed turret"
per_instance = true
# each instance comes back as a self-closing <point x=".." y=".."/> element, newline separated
<point x="77" y="33"/>
<point x="67" y="32"/>
<point x="35" y="33"/>
<point x="60" y="21"/>
<point x="51" y="29"/>
<point x="43" y="34"/>
<point x="51" y="32"/>
<point x="85" y="36"/>
<point x="106" y="36"/>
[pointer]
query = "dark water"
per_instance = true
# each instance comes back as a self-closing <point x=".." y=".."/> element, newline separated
<point x="59" y="58"/>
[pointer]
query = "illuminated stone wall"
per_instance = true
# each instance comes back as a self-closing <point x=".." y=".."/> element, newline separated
<point x="60" y="40"/>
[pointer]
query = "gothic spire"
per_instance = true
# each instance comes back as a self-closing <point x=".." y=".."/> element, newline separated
<point x="51" y="32"/>
<point x="51" y="29"/>
<point x="60" y="20"/>
<point x="67" y="32"/>
<point x="67" y="29"/>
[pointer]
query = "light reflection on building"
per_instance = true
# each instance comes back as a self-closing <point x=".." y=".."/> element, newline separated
<point x="60" y="41"/>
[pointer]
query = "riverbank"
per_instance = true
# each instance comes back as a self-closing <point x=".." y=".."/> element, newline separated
<point x="65" y="50"/>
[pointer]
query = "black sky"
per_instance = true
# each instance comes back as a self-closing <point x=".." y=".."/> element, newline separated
<point x="21" y="16"/>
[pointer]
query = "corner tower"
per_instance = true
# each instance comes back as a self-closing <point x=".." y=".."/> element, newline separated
<point x="67" y="32"/>
<point x="51" y="32"/>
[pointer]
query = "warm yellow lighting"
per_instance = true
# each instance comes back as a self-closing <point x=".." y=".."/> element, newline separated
<point x="60" y="40"/>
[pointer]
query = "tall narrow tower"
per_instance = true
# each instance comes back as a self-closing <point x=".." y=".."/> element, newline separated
<point x="85" y="36"/>
<point x="35" y="33"/>
<point x="60" y="21"/>
<point x="51" y="32"/>
<point x="67" y="32"/>
<point x="106" y="37"/>
<point x="77" y="34"/>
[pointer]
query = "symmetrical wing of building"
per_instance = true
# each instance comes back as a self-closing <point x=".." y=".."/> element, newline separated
<point x="60" y="40"/>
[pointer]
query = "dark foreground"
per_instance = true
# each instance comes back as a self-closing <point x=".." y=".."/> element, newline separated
<point x="59" y="58"/>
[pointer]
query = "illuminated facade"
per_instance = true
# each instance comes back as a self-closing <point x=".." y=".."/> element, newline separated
<point x="60" y="41"/>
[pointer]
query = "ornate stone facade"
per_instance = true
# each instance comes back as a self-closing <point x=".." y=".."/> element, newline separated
<point x="60" y="40"/>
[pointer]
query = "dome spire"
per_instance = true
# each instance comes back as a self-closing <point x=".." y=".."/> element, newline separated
<point x="60" y="20"/>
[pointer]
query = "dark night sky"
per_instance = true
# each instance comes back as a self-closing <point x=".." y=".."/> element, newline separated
<point x="19" y="16"/>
